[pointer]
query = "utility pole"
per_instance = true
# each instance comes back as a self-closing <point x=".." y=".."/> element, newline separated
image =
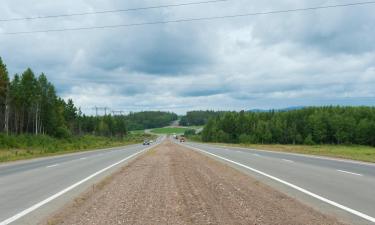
<point x="118" y="112"/>
<point x="97" y="109"/>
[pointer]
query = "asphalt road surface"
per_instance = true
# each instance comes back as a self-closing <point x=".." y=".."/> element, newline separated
<point x="341" y="187"/>
<point x="27" y="186"/>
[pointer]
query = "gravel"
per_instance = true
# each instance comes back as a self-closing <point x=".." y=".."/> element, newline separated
<point x="174" y="185"/>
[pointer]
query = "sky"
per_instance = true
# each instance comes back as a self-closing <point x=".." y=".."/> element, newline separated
<point x="321" y="57"/>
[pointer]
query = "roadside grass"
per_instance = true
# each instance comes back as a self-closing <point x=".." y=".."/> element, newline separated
<point x="353" y="152"/>
<point x="169" y="130"/>
<point x="137" y="131"/>
<point x="195" y="127"/>
<point x="30" y="146"/>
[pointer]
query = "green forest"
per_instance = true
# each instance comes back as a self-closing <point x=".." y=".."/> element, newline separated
<point x="311" y="125"/>
<point x="29" y="104"/>
<point x="198" y="118"/>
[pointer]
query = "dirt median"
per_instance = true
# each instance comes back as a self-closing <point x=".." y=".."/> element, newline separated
<point x="174" y="185"/>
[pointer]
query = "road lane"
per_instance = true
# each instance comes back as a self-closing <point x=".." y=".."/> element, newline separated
<point x="16" y="167"/>
<point x="33" y="182"/>
<point x="318" y="175"/>
<point x="367" y="169"/>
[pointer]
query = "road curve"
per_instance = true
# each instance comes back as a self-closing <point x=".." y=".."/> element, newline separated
<point x="28" y="185"/>
<point x="340" y="182"/>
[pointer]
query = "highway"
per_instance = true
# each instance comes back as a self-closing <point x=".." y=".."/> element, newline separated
<point x="343" y="188"/>
<point x="34" y="185"/>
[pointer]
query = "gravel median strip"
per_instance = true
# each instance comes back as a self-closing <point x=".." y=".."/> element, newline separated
<point x="174" y="185"/>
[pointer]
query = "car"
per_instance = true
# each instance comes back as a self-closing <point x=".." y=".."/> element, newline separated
<point x="146" y="142"/>
<point x="182" y="139"/>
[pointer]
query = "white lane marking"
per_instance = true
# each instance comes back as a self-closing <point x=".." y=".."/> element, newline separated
<point x="82" y="158"/>
<point x="47" y="200"/>
<point x="323" y="199"/>
<point x="287" y="160"/>
<point x="356" y="174"/>
<point x="257" y="155"/>
<point x="294" y="154"/>
<point x="52" y="166"/>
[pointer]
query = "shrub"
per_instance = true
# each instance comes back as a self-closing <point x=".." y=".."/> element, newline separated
<point x="309" y="140"/>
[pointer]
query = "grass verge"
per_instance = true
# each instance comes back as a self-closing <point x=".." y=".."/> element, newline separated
<point x="137" y="131"/>
<point x="30" y="146"/>
<point x="169" y="130"/>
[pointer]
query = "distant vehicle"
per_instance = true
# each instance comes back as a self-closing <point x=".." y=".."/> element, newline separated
<point x="182" y="139"/>
<point x="146" y="142"/>
<point x="175" y="136"/>
<point x="151" y="141"/>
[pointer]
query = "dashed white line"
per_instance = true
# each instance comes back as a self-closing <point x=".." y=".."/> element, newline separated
<point x="52" y="166"/>
<point x="287" y="160"/>
<point x="323" y="199"/>
<point x="343" y="171"/>
<point x="82" y="158"/>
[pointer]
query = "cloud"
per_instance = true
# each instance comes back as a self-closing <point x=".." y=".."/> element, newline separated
<point x="303" y="58"/>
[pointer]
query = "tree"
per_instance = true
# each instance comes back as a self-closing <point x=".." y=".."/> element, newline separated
<point x="29" y="100"/>
<point x="4" y="97"/>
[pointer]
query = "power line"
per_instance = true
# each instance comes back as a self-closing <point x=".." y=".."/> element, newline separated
<point x="97" y="109"/>
<point x="191" y="19"/>
<point x="111" y="11"/>
<point x="118" y="112"/>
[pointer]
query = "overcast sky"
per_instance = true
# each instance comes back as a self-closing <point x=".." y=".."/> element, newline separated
<point x="272" y="61"/>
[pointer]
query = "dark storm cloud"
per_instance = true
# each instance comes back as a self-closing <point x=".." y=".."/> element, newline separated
<point x="155" y="51"/>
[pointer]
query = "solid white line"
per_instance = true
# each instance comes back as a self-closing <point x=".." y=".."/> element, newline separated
<point x="52" y="166"/>
<point x="345" y="208"/>
<point x="343" y="171"/>
<point x="45" y="201"/>
<point x="287" y="160"/>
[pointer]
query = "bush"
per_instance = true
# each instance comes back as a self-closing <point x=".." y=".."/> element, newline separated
<point x="62" y="132"/>
<point x="189" y="132"/>
<point x="309" y="140"/>
<point x="245" y="139"/>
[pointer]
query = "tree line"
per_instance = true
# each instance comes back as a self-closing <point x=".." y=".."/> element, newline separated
<point x="150" y="119"/>
<point x="312" y="125"/>
<point x="109" y="125"/>
<point x="29" y="105"/>
<point x="198" y="118"/>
